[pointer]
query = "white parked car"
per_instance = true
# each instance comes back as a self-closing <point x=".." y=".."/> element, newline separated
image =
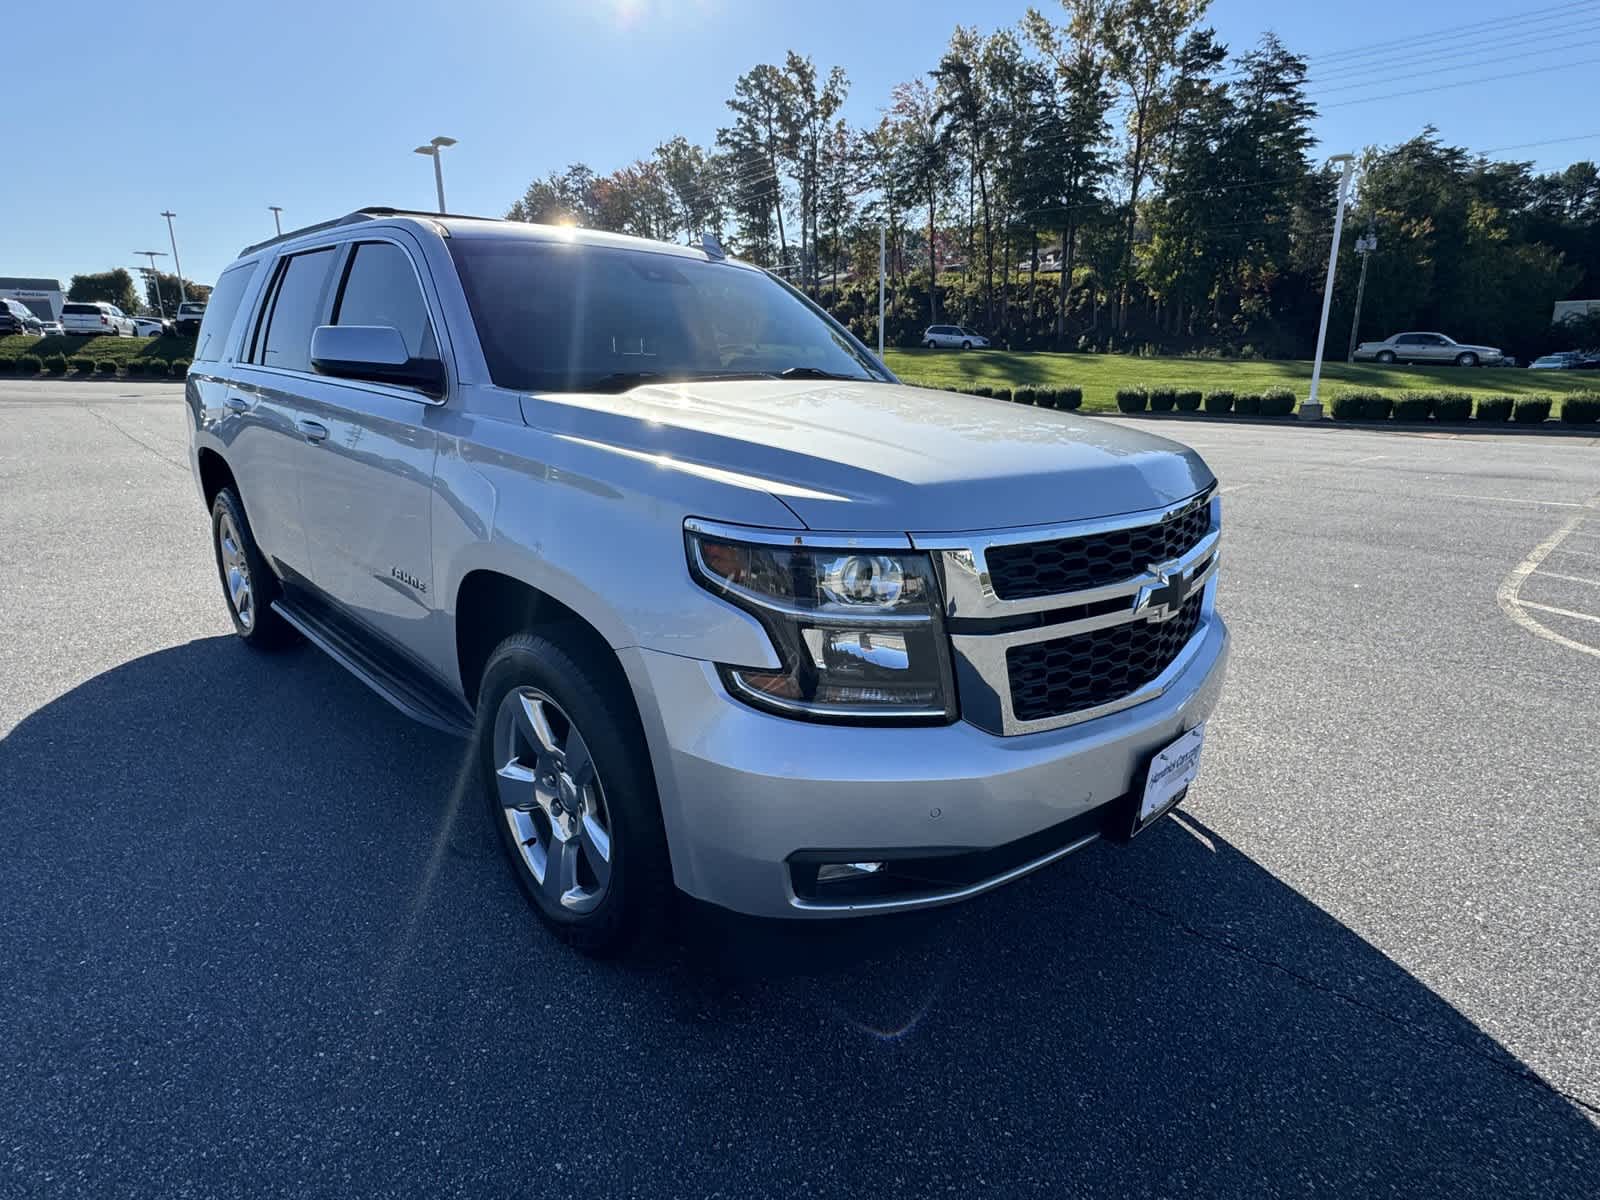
<point x="95" y="317"/>
<point x="952" y="337"/>
<point x="50" y="328"/>
<point x="149" y="326"/>
<point x="190" y="314"/>
<point x="1430" y="348"/>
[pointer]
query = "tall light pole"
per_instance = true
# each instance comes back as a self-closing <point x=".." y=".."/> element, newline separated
<point x="1311" y="410"/>
<point x="881" y="236"/>
<point x="1365" y="245"/>
<point x="177" y="266"/>
<point x="277" y="221"/>
<point x="155" y="275"/>
<point x="432" y="151"/>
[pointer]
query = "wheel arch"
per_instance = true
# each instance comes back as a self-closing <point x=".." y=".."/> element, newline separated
<point x="215" y="474"/>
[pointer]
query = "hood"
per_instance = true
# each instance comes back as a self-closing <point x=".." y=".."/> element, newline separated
<point x="873" y="457"/>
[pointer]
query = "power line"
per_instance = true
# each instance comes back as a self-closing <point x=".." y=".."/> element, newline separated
<point x="1475" y="58"/>
<point x="1440" y="87"/>
<point x="1532" y="16"/>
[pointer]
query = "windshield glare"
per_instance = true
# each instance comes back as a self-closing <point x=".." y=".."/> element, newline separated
<point x="555" y="317"/>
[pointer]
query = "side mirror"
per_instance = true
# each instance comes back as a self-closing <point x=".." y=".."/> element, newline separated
<point x="376" y="353"/>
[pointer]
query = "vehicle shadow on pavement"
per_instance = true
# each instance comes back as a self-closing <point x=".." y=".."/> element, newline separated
<point x="257" y="937"/>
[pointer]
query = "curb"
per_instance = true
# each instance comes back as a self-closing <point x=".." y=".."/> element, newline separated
<point x="1549" y="428"/>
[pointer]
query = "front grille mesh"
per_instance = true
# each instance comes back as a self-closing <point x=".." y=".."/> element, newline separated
<point x="1073" y="564"/>
<point x="1049" y="679"/>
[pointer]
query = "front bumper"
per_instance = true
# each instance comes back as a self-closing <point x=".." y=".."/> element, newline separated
<point x="742" y="792"/>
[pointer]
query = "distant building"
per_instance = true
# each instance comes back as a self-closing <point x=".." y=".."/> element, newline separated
<point x="43" y="296"/>
<point x="1563" y="310"/>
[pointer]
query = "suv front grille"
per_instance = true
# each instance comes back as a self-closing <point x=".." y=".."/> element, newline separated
<point x="1075" y="564"/>
<point x="1090" y="669"/>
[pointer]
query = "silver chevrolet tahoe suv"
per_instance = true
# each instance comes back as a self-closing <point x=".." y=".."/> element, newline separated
<point x="720" y="605"/>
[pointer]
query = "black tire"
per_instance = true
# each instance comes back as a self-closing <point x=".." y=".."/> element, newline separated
<point x="265" y="629"/>
<point x="1467" y="359"/>
<point x="931" y="344"/>
<point x="966" y="345"/>
<point x="640" y="891"/>
<point x="1385" y="357"/>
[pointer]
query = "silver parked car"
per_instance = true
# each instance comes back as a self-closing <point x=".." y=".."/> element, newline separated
<point x="1429" y="348"/>
<point x="719" y="603"/>
<point x="952" y="337"/>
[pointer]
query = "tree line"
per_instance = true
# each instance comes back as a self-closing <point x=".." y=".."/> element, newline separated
<point x="1107" y="175"/>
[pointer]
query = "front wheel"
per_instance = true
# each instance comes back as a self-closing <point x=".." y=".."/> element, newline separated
<point x="1466" y="360"/>
<point x="931" y="344"/>
<point x="570" y="789"/>
<point x="1385" y="357"/>
<point x="966" y="345"/>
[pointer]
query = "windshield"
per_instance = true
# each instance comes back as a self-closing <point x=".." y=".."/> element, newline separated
<point x="559" y="317"/>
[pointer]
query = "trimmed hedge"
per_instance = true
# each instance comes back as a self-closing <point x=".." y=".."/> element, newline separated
<point x="1531" y="410"/>
<point x="1361" y="406"/>
<point x="1163" y="399"/>
<point x="105" y="366"/>
<point x="81" y="363"/>
<point x="1278" y="402"/>
<point x="29" y="364"/>
<point x="180" y="367"/>
<point x="1452" y="406"/>
<point x="7" y="365"/>
<point x="1495" y="408"/>
<point x="1132" y="400"/>
<point x="157" y="367"/>
<point x="1413" y="406"/>
<point x="1219" y="402"/>
<point x="1582" y="408"/>
<point x="1030" y="395"/>
<point x="982" y="390"/>
<point x="1189" y="401"/>
<point x="1248" y="405"/>
<point x="56" y="364"/>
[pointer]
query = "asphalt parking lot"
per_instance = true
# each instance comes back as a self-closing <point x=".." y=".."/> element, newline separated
<point x="254" y="943"/>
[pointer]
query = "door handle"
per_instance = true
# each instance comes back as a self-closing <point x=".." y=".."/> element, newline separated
<point x="313" y="431"/>
<point x="238" y="404"/>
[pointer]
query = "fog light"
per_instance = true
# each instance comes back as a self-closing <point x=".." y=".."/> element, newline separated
<point x="835" y="872"/>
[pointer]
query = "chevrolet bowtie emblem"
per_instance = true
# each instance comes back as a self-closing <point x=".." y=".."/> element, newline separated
<point x="1163" y="599"/>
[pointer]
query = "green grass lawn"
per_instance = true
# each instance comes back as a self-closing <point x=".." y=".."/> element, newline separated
<point x="119" y="350"/>
<point x="1100" y="375"/>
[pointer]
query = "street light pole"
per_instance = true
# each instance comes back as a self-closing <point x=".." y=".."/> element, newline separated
<point x="1365" y="245"/>
<point x="1311" y="410"/>
<point x="432" y="151"/>
<point x="881" y="243"/>
<point x="276" y="219"/>
<point x="183" y="296"/>
<point x="155" y="277"/>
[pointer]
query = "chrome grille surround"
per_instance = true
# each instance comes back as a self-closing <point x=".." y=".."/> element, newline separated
<point x="985" y="627"/>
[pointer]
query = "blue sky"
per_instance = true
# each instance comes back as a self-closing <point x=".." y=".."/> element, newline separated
<point x="217" y="109"/>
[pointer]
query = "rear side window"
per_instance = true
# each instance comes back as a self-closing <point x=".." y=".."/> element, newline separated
<point x="225" y="298"/>
<point x="81" y="310"/>
<point x="296" y="310"/>
<point x="380" y="288"/>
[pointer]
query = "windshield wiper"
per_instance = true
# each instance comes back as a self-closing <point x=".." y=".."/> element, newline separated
<point x="815" y="373"/>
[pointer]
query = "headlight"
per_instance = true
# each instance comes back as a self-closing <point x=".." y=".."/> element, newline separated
<point x="858" y="631"/>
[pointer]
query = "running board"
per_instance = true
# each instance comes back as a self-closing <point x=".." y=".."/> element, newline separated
<point x="418" y="698"/>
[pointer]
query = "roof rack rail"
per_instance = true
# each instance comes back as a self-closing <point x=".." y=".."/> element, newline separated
<point x="368" y="212"/>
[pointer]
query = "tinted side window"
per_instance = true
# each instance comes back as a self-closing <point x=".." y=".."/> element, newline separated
<point x="296" y="311"/>
<point x="1407" y="339"/>
<point x="380" y="288"/>
<point x="225" y="298"/>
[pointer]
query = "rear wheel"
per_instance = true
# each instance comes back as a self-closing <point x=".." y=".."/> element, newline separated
<point x="248" y="584"/>
<point x="1386" y="356"/>
<point x="1467" y="360"/>
<point x="570" y="789"/>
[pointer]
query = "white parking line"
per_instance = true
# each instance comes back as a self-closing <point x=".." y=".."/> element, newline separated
<point x="1509" y="594"/>
<point x="1233" y="487"/>
<point x="1568" y="578"/>
<point x="1511" y="500"/>
<point x="1564" y="612"/>
<point x="1576" y="553"/>
<point x="1356" y="462"/>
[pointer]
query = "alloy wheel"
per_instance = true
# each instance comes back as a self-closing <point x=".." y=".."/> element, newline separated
<point x="236" y="573"/>
<point x="553" y="801"/>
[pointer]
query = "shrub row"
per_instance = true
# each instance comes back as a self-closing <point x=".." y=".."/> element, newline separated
<point x="1040" y="397"/>
<point x="155" y="368"/>
<point x="1581" y="408"/>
